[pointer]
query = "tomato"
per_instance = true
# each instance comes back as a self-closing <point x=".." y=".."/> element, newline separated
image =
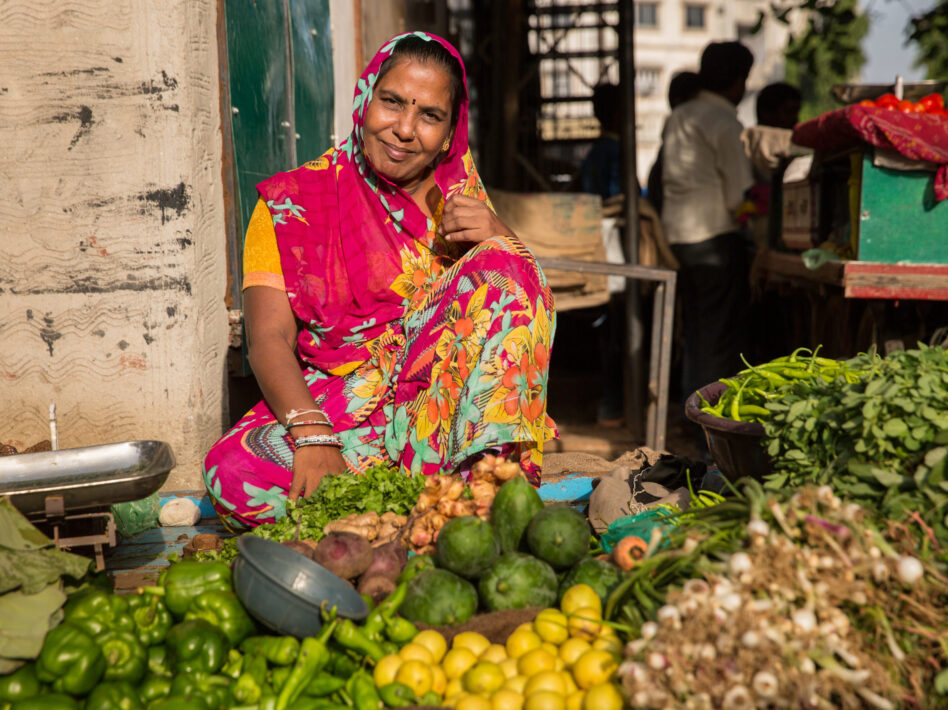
<point x="919" y="107"/>
<point x="933" y="102"/>
<point x="887" y="101"/>
<point x="867" y="102"/>
<point x="906" y="106"/>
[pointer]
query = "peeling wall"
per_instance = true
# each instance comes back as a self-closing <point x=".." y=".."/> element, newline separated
<point x="112" y="246"/>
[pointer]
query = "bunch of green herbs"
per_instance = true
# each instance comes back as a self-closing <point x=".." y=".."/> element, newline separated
<point x="380" y="489"/>
<point x="881" y="441"/>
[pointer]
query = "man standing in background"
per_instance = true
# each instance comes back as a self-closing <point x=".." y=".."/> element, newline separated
<point x="705" y="175"/>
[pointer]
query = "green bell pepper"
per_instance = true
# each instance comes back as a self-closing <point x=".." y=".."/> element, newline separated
<point x="20" y="685"/>
<point x="278" y="650"/>
<point x="154" y="687"/>
<point x="179" y="702"/>
<point x="350" y="637"/>
<point x="159" y="661"/>
<point x="70" y="660"/>
<point x="251" y="684"/>
<point x="125" y="658"/>
<point x="114" y="696"/>
<point x="223" y="609"/>
<point x="95" y="610"/>
<point x="54" y="701"/>
<point x="313" y="657"/>
<point x="196" y="646"/>
<point x="234" y="665"/>
<point x="212" y="689"/>
<point x="184" y="580"/>
<point x="150" y="617"/>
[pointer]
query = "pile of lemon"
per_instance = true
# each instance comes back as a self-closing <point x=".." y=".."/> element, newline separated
<point x="566" y="659"/>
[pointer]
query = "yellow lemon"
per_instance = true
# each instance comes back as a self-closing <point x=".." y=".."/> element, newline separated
<point x="550" y="648"/>
<point x="483" y="678"/>
<point x="612" y="644"/>
<point x="551" y="626"/>
<point x="608" y="632"/>
<point x="439" y="680"/>
<point x="594" y="667"/>
<point x="416" y="652"/>
<point x="472" y="702"/>
<point x="457" y="661"/>
<point x="525" y="626"/>
<point x="545" y="680"/>
<point x="453" y="688"/>
<point x="386" y="669"/>
<point x="574" y="701"/>
<point x="571" y="686"/>
<point x="584" y="624"/>
<point x="505" y="699"/>
<point x="580" y="596"/>
<point x="472" y="641"/>
<point x="532" y="662"/>
<point x="603" y="696"/>
<point x="509" y="667"/>
<point x="572" y="649"/>
<point x="434" y="642"/>
<point x="416" y="675"/>
<point x="522" y="641"/>
<point x="516" y="684"/>
<point x="495" y="653"/>
<point x="545" y="700"/>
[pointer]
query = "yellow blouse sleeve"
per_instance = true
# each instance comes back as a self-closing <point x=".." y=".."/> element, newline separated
<point x="262" y="265"/>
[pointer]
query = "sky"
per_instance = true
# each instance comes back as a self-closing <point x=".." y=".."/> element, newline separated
<point x="884" y="46"/>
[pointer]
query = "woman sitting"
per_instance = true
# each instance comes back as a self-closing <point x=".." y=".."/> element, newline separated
<point x="391" y="317"/>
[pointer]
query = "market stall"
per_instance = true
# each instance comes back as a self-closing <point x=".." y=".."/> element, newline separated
<point x="811" y="576"/>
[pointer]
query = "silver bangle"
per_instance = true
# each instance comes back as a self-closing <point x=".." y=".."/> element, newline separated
<point x="318" y="440"/>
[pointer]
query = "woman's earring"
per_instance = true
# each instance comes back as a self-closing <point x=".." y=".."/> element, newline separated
<point x="446" y="145"/>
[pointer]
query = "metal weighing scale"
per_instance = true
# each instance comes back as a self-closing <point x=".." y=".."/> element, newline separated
<point x="68" y="493"/>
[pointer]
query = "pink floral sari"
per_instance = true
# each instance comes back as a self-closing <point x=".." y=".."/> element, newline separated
<point x="423" y="356"/>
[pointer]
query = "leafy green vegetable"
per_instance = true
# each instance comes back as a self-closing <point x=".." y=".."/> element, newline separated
<point x="380" y="489"/>
<point x="881" y="441"/>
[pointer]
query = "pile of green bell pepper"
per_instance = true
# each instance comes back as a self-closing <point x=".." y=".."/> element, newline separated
<point x="189" y="644"/>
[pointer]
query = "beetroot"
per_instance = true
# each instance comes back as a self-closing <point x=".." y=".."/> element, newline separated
<point x="388" y="561"/>
<point x="377" y="587"/>
<point x="346" y="555"/>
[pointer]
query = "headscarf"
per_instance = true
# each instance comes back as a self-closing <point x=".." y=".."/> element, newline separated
<point x="343" y="230"/>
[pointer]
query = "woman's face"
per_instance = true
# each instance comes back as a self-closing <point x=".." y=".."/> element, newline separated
<point x="407" y="120"/>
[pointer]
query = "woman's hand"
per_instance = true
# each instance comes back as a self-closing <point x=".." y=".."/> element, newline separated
<point x="468" y="220"/>
<point x="310" y="465"/>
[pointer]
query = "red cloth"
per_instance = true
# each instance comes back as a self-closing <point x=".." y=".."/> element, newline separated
<point x="917" y="136"/>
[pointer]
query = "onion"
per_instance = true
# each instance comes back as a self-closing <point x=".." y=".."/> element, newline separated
<point x="909" y="569"/>
<point x="804" y="620"/>
<point x="649" y="629"/>
<point x="670" y="614"/>
<point x="739" y="563"/>
<point x="750" y="639"/>
<point x="765" y="684"/>
<point x="696" y="588"/>
<point x="731" y="602"/>
<point x="737" y="698"/>
<point x="656" y="661"/>
<point x="756" y="526"/>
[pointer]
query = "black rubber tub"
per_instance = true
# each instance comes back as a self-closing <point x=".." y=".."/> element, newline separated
<point x="737" y="447"/>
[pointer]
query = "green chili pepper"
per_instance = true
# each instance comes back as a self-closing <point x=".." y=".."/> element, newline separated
<point x="196" y="646"/>
<point x="430" y="698"/>
<point x="397" y="695"/>
<point x="752" y="410"/>
<point x="350" y="637"/>
<point x="185" y="580"/>
<point x="278" y="676"/>
<point x="223" y="609"/>
<point x="385" y="611"/>
<point x="343" y="665"/>
<point x="250" y="685"/>
<point x="362" y="690"/>
<point x="125" y="658"/>
<point x="95" y="610"/>
<point x="54" y="701"/>
<point x="114" y="696"/>
<point x="400" y="630"/>
<point x="278" y="650"/>
<point x="323" y="684"/>
<point x="214" y="690"/>
<point x="150" y="617"/>
<point x="312" y="658"/>
<point x="154" y="687"/>
<point x="21" y="684"/>
<point x="70" y="660"/>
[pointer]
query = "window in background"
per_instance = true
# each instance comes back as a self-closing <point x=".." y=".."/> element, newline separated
<point x="695" y="17"/>
<point x="646" y="14"/>
<point x="646" y="80"/>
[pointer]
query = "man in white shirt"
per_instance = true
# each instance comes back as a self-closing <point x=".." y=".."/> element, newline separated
<point x="705" y="175"/>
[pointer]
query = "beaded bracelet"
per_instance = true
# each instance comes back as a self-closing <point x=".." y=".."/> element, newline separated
<point x="318" y="440"/>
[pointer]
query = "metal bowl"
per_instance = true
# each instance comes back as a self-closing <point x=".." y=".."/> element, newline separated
<point x="284" y="590"/>
<point x="912" y="91"/>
